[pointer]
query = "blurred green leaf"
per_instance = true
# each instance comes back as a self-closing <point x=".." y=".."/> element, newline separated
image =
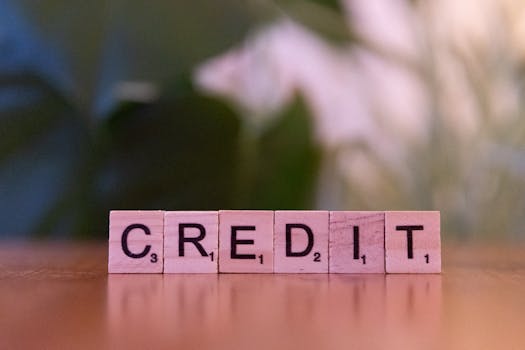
<point x="330" y="4"/>
<point x="65" y="161"/>
<point x="21" y="125"/>
<point x="107" y="42"/>
<point x="39" y="144"/>
<point x="286" y="163"/>
<point x="179" y="153"/>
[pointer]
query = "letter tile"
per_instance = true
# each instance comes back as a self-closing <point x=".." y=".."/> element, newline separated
<point x="412" y="242"/>
<point x="357" y="242"/>
<point x="246" y="241"/>
<point x="301" y="241"/>
<point x="136" y="241"/>
<point x="191" y="240"/>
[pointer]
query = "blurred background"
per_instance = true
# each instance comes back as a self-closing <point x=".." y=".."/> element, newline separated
<point x="269" y="104"/>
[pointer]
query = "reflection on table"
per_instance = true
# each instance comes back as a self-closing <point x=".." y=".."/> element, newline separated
<point x="245" y="310"/>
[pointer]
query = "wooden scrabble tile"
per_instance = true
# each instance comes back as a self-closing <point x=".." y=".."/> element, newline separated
<point x="357" y="242"/>
<point x="246" y="241"/>
<point x="191" y="240"/>
<point x="136" y="241"/>
<point x="301" y="242"/>
<point x="412" y="242"/>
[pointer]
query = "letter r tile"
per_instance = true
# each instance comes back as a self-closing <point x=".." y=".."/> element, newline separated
<point x="191" y="241"/>
<point x="136" y="241"/>
<point x="301" y="241"/>
<point x="412" y="242"/>
<point x="246" y="241"/>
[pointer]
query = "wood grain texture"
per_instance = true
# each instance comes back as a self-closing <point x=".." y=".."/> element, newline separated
<point x="412" y="242"/>
<point x="145" y="234"/>
<point x="357" y="242"/>
<point x="195" y="224"/>
<point x="253" y="232"/>
<point x="316" y="261"/>
<point x="60" y="296"/>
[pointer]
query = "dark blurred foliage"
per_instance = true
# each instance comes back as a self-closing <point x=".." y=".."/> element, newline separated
<point x="70" y="150"/>
<point x="323" y="16"/>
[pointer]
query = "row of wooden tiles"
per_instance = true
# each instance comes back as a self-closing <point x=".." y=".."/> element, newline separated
<point x="263" y="241"/>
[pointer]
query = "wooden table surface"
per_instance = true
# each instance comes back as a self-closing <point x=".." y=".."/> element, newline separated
<point x="59" y="296"/>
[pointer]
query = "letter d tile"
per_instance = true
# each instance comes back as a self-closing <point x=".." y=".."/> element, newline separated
<point x="301" y="241"/>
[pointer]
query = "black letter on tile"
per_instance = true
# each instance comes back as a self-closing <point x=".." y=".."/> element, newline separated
<point x="409" y="229"/>
<point x="309" y="246"/>
<point x="124" y="241"/>
<point x="356" y="242"/>
<point x="194" y="240"/>
<point x="235" y="241"/>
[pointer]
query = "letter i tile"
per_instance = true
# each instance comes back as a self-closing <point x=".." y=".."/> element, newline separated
<point x="357" y="242"/>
